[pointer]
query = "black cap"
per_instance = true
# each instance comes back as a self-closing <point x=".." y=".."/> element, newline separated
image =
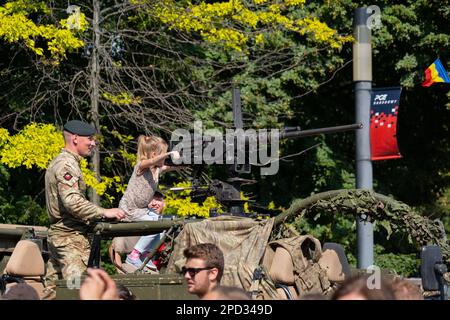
<point x="159" y="192"/>
<point x="80" y="128"/>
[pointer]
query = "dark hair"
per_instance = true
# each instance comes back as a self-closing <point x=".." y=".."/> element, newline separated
<point x="158" y="193"/>
<point x="21" y="291"/>
<point x="231" y="293"/>
<point x="406" y="290"/>
<point x="209" y="252"/>
<point x="313" y="296"/>
<point x="124" y="293"/>
<point x="359" y="285"/>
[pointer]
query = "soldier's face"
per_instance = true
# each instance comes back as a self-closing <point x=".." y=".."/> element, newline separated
<point x="85" y="145"/>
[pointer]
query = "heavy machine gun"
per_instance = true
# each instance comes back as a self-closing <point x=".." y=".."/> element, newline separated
<point x="239" y="150"/>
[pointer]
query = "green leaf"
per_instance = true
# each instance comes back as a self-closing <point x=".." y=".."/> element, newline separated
<point x="387" y="226"/>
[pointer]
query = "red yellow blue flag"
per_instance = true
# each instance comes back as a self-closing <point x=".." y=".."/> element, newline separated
<point x="435" y="73"/>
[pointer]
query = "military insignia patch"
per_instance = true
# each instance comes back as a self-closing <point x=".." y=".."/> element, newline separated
<point x="67" y="176"/>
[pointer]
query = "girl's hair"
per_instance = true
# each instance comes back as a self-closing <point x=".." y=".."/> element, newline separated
<point x="149" y="144"/>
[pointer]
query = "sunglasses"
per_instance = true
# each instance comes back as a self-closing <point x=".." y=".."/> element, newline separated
<point x="193" y="271"/>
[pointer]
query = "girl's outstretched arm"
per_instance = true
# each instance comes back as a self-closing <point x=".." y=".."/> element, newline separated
<point x="148" y="163"/>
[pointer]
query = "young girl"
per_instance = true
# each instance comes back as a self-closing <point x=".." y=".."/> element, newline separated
<point x="144" y="181"/>
<point x="152" y="151"/>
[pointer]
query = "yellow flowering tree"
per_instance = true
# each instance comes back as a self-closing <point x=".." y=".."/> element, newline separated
<point x="237" y="24"/>
<point x="35" y="145"/>
<point x="275" y="50"/>
<point x="16" y="26"/>
<point x="179" y="203"/>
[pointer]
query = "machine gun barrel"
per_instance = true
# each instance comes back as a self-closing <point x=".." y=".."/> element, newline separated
<point x="314" y="132"/>
<point x="191" y="140"/>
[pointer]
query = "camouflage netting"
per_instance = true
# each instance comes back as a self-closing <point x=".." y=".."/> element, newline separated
<point x="395" y="216"/>
<point x="242" y="240"/>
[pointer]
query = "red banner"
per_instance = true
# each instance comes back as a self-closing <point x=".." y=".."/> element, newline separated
<point x="383" y="123"/>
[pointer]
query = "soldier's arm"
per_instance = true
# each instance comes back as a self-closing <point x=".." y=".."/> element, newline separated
<point x="73" y="199"/>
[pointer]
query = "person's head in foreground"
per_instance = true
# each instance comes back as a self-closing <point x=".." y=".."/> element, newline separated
<point x="364" y="287"/>
<point x="125" y="293"/>
<point x="20" y="291"/>
<point x="203" y="269"/>
<point x="98" y="285"/>
<point x="406" y="290"/>
<point x="227" y="293"/>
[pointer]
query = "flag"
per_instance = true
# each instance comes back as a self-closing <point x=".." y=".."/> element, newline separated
<point x="435" y="73"/>
<point x="383" y="123"/>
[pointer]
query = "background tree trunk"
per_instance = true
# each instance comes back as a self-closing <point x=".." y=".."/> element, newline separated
<point x="94" y="93"/>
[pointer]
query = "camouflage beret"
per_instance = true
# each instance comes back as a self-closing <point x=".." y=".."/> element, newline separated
<point x="80" y="128"/>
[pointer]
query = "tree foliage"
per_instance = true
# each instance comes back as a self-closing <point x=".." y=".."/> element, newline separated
<point x="145" y="59"/>
<point x="412" y="35"/>
<point x="17" y="26"/>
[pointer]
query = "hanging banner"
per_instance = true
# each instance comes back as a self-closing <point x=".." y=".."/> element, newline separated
<point x="384" y="104"/>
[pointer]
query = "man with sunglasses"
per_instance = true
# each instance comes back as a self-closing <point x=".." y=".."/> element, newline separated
<point x="203" y="269"/>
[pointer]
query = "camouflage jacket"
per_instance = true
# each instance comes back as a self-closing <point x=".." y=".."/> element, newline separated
<point x="67" y="206"/>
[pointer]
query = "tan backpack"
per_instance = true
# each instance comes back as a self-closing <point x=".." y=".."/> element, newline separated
<point x="293" y="265"/>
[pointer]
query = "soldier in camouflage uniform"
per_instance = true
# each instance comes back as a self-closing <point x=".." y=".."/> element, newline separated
<point x="69" y="211"/>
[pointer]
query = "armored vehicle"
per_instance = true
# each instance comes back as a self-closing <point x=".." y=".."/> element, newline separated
<point x="265" y="256"/>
